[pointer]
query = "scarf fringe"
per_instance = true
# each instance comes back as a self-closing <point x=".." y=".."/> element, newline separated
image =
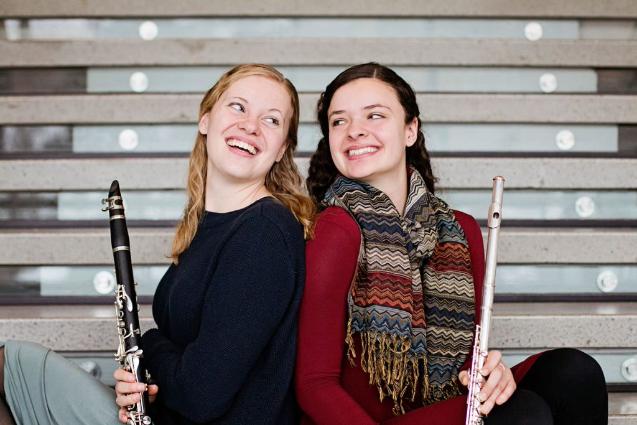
<point x="395" y="371"/>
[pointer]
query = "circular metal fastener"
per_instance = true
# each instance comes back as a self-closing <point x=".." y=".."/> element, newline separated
<point x="548" y="83"/>
<point x="565" y="140"/>
<point x="607" y="281"/>
<point x="138" y="82"/>
<point x="128" y="139"/>
<point x="629" y="369"/>
<point x="92" y="368"/>
<point x="12" y="30"/>
<point x="533" y="31"/>
<point x="585" y="206"/>
<point x="104" y="283"/>
<point x="148" y="30"/>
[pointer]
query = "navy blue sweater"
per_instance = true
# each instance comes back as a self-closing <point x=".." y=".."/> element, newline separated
<point x="225" y="345"/>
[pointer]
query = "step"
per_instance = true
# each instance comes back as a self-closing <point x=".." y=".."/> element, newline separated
<point x="436" y="108"/>
<point x="454" y="173"/>
<point x="624" y="9"/>
<point x="151" y="246"/>
<point x="322" y="52"/>
<point x="519" y="325"/>
<point x="622" y="408"/>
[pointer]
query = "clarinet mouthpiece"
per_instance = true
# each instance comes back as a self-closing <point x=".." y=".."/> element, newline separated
<point x="114" y="190"/>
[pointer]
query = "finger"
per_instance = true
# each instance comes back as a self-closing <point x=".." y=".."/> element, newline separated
<point x="127" y="400"/>
<point x="123" y="388"/>
<point x="463" y="377"/>
<point x="506" y="393"/>
<point x="123" y="416"/>
<point x="123" y="375"/>
<point x="505" y="379"/>
<point x="153" y="390"/>
<point x="508" y="389"/>
<point x="489" y="403"/>
<point x="492" y="382"/>
<point x="493" y="359"/>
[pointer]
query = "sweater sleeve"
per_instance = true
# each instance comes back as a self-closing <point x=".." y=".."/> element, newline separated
<point x="251" y="289"/>
<point x="473" y="234"/>
<point x="331" y="259"/>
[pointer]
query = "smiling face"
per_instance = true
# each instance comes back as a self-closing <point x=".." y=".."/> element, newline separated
<point x="368" y="135"/>
<point x="246" y="129"/>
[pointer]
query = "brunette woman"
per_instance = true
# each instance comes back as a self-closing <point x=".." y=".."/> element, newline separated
<point x="394" y="284"/>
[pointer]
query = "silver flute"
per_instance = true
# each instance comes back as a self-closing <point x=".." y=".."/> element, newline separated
<point x="129" y="354"/>
<point x="481" y="342"/>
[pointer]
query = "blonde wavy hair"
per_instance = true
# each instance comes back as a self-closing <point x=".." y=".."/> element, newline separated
<point x="283" y="180"/>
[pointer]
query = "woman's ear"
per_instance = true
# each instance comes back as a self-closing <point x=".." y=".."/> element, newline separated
<point x="203" y="123"/>
<point x="411" y="132"/>
<point x="281" y="152"/>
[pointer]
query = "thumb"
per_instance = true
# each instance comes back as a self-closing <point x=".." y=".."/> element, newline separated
<point x="463" y="377"/>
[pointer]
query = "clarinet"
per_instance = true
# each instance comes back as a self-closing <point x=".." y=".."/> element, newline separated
<point x="481" y="342"/>
<point x="129" y="354"/>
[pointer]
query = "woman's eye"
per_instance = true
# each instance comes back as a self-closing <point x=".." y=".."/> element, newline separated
<point x="337" y="122"/>
<point x="272" y="120"/>
<point x="375" y="116"/>
<point x="237" y="107"/>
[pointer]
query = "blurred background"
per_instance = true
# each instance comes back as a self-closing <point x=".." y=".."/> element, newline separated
<point x="541" y="92"/>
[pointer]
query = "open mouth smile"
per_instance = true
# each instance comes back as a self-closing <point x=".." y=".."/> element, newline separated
<point x="243" y="146"/>
<point x="358" y="152"/>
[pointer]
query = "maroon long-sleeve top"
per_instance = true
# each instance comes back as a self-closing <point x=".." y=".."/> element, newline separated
<point x="329" y="390"/>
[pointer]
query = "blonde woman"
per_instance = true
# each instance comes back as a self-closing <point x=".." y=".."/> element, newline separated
<point x="226" y="309"/>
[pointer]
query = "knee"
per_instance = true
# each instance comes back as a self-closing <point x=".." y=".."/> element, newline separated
<point x="536" y="411"/>
<point x="525" y="407"/>
<point x="574" y="365"/>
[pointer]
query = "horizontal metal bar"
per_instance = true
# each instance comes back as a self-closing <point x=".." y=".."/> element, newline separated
<point x="624" y="9"/>
<point x="322" y="52"/>
<point x="454" y="173"/>
<point x="183" y="108"/>
<point x="152" y="246"/>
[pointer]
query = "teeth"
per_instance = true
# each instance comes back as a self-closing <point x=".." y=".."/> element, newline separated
<point x="242" y="145"/>
<point x="361" y="151"/>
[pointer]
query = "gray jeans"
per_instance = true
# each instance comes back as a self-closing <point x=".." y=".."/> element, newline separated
<point x="44" y="388"/>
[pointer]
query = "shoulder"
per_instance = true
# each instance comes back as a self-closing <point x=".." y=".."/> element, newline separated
<point x="270" y="218"/>
<point x="335" y="220"/>
<point x="468" y="223"/>
<point x="472" y="232"/>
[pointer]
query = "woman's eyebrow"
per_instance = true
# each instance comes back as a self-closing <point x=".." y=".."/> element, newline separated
<point x="246" y="101"/>
<point x="376" y="105"/>
<point x="240" y="98"/>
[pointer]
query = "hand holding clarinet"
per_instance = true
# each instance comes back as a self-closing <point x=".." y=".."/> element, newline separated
<point x="132" y="377"/>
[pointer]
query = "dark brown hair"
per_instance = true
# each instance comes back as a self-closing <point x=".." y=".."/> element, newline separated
<point x="322" y="169"/>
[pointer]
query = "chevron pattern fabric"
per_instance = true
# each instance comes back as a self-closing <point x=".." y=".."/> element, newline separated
<point x="411" y="300"/>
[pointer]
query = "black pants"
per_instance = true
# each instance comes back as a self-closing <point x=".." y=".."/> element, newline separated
<point x="563" y="387"/>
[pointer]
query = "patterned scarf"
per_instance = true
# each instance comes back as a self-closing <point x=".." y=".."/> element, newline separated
<point x="411" y="300"/>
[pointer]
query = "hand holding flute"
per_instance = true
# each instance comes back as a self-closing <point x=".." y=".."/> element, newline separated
<point x="490" y="381"/>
